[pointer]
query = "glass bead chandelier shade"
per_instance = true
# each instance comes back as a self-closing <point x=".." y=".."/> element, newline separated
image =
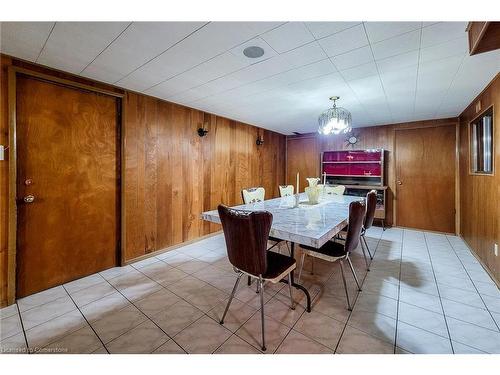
<point x="334" y="120"/>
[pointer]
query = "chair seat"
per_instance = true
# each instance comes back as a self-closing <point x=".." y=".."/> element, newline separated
<point x="278" y="266"/>
<point x="330" y="251"/>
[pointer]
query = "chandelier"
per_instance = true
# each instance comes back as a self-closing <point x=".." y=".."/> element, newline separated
<point x="334" y="120"/>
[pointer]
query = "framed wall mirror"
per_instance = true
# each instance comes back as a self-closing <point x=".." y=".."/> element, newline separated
<point x="481" y="143"/>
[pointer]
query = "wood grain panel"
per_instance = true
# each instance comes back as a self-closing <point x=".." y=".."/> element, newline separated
<point x="303" y="156"/>
<point x="480" y="195"/>
<point x="171" y="174"/>
<point x="425" y="178"/>
<point x="68" y="145"/>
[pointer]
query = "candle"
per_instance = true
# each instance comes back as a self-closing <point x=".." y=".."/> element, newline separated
<point x="297" y="182"/>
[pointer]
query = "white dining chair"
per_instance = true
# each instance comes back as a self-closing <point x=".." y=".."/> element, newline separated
<point x="253" y="195"/>
<point x="333" y="189"/>
<point x="286" y="190"/>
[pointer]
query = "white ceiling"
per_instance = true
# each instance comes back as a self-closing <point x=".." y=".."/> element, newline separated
<point x="384" y="72"/>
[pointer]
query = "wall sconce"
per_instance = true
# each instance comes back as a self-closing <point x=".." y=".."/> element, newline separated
<point x="202" y="131"/>
<point x="260" y="140"/>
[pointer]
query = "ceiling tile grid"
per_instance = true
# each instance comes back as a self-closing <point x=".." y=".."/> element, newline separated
<point x="383" y="71"/>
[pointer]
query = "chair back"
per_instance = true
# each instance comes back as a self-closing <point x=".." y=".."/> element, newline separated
<point x="253" y="195"/>
<point x="333" y="190"/>
<point x="371" y="204"/>
<point x="286" y="190"/>
<point x="246" y="235"/>
<point x="356" y="216"/>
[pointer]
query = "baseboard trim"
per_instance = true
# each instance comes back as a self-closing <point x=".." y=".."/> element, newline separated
<point x="171" y="248"/>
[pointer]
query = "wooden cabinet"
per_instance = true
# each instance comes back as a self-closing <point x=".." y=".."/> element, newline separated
<point x="483" y="36"/>
<point x="359" y="171"/>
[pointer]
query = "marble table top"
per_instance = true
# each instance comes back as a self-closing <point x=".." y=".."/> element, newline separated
<point x="311" y="225"/>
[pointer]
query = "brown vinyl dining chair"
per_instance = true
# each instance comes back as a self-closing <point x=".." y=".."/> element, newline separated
<point x="256" y="195"/>
<point x="371" y="205"/>
<point x="246" y="235"/>
<point x="335" y="251"/>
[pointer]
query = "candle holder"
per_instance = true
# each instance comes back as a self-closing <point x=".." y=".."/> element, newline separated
<point x="297" y="199"/>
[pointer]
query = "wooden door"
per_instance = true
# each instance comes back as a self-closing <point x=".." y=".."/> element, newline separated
<point x="68" y="161"/>
<point x="425" y="178"/>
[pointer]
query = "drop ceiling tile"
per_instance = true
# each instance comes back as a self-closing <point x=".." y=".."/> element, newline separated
<point x="323" y="29"/>
<point x="141" y="42"/>
<point x="378" y="31"/>
<point x="185" y="97"/>
<point x="360" y="71"/>
<point x="212" y="40"/>
<point x="397" y="45"/>
<point x="344" y="41"/>
<point x="289" y="36"/>
<point x="399" y="83"/>
<point x="24" y="39"/>
<point x="368" y="89"/>
<point x="455" y="47"/>
<point x="300" y="74"/>
<point x="401" y="61"/>
<point x="442" y="32"/>
<point x="212" y="69"/>
<point x="437" y="75"/>
<point x="73" y="45"/>
<point x="353" y="58"/>
<point x="301" y="56"/>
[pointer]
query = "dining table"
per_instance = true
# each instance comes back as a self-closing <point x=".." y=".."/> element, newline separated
<point x="298" y="221"/>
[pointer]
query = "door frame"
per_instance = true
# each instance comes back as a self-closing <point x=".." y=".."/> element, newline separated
<point x="13" y="72"/>
<point x="457" y="170"/>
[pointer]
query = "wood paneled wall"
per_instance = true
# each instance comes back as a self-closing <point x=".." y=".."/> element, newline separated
<point x="303" y="152"/>
<point x="171" y="174"/>
<point x="480" y="195"/>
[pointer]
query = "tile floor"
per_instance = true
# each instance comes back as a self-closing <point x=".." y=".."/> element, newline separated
<point x="425" y="293"/>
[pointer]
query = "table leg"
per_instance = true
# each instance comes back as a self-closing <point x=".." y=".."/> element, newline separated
<point x="294" y="284"/>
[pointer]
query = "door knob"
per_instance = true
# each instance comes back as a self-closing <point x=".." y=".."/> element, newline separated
<point x="29" y="198"/>
<point x="399" y="182"/>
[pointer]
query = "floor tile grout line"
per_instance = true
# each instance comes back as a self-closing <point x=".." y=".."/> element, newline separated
<point x="147" y="317"/>
<point x="43" y="304"/>
<point x="354" y="304"/>
<point x="399" y="289"/>
<point x="472" y="281"/>
<point x="439" y="294"/>
<point x="204" y="313"/>
<point x="22" y="327"/>
<point x="84" y="317"/>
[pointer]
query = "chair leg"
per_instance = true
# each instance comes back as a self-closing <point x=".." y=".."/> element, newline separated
<point x="257" y="288"/>
<point x="288" y="248"/>
<point x="364" y="255"/>
<point x="367" y="247"/>
<point x="231" y="297"/>
<point x="345" y="286"/>
<point x="301" y="266"/>
<point x="353" y="273"/>
<point x="249" y="281"/>
<point x="261" y="282"/>
<point x="292" y="304"/>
